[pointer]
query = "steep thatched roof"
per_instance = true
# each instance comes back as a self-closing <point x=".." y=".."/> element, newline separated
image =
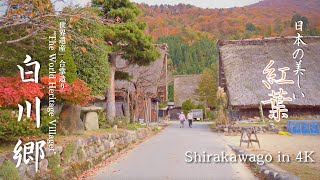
<point x="148" y="78"/>
<point x="241" y="64"/>
<point x="184" y="88"/>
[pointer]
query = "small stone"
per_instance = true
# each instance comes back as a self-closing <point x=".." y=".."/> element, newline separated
<point x="10" y="158"/>
<point x="110" y="137"/>
<point x="94" y="139"/>
<point x="115" y="127"/>
<point x="112" y="144"/>
<point x="272" y="175"/>
<point x="96" y="149"/>
<point x="225" y="129"/>
<point x="128" y="139"/>
<point x="43" y="165"/>
<point x="107" y="144"/>
<point x="101" y="148"/>
<point x="58" y="149"/>
<point x="99" y="141"/>
<point x="31" y="171"/>
<point x="92" y="151"/>
<point x="103" y="138"/>
<point x="266" y="172"/>
<point x="113" y="136"/>
<point x="48" y="152"/>
<point x="116" y="141"/>
<point x="22" y="169"/>
<point x="140" y="136"/>
<point x="80" y="143"/>
<point x="121" y="141"/>
<point x="262" y="169"/>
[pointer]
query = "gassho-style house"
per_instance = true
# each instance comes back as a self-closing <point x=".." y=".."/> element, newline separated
<point x="145" y="90"/>
<point x="241" y="65"/>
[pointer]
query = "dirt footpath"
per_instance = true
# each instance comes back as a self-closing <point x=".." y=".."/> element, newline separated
<point x="291" y="145"/>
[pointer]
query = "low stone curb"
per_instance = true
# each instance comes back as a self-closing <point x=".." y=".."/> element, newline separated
<point x="79" y="156"/>
<point x="268" y="171"/>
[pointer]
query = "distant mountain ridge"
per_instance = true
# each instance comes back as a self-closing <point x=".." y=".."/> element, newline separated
<point x="267" y="18"/>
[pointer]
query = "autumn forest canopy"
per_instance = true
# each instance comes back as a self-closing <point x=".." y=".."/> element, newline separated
<point x="186" y="28"/>
<point x="190" y="32"/>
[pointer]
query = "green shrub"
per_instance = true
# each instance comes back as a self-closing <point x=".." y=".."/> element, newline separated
<point x="11" y="128"/>
<point x="45" y="122"/>
<point x="211" y="115"/>
<point x="121" y="121"/>
<point x="187" y="106"/>
<point x="8" y="171"/>
<point x="103" y="123"/>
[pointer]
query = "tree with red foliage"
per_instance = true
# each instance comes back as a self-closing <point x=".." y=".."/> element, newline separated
<point x="14" y="91"/>
<point x="75" y="93"/>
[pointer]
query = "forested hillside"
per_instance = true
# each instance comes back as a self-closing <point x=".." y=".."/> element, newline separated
<point x="190" y="58"/>
<point x="192" y="32"/>
<point x="268" y="17"/>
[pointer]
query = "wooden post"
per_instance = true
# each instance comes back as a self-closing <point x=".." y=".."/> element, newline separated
<point x="261" y="112"/>
<point x="149" y="111"/>
<point x="157" y="111"/>
<point x="146" y="112"/>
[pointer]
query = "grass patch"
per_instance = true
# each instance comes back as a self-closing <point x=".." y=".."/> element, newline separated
<point x="8" y="171"/>
<point x="156" y="129"/>
<point x="212" y="126"/>
<point x="80" y="154"/>
<point x="134" y="126"/>
<point x="304" y="171"/>
<point x="57" y="172"/>
<point x="54" y="161"/>
<point x="68" y="151"/>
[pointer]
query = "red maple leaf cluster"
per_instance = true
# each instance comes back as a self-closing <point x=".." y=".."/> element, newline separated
<point x="14" y="91"/>
<point x="76" y="92"/>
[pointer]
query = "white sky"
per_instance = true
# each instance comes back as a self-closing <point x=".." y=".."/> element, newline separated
<point x="202" y="3"/>
<point x="198" y="3"/>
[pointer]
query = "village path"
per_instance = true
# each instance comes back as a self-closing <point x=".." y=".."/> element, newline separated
<point x="163" y="157"/>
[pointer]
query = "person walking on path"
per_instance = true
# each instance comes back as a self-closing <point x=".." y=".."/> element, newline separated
<point x="190" y="118"/>
<point x="182" y="118"/>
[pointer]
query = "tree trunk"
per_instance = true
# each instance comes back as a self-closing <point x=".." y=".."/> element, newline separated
<point x="136" y="105"/>
<point x="111" y="102"/>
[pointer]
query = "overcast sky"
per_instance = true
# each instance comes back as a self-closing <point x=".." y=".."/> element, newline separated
<point x="202" y="3"/>
<point x="199" y="3"/>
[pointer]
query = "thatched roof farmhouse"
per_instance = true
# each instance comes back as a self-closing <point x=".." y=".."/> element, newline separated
<point x="241" y="65"/>
<point x="147" y="82"/>
<point x="152" y="79"/>
<point x="184" y="88"/>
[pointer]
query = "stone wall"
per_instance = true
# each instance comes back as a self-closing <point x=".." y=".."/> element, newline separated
<point x="76" y="157"/>
<point x="267" y="171"/>
<point x="258" y="128"/>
